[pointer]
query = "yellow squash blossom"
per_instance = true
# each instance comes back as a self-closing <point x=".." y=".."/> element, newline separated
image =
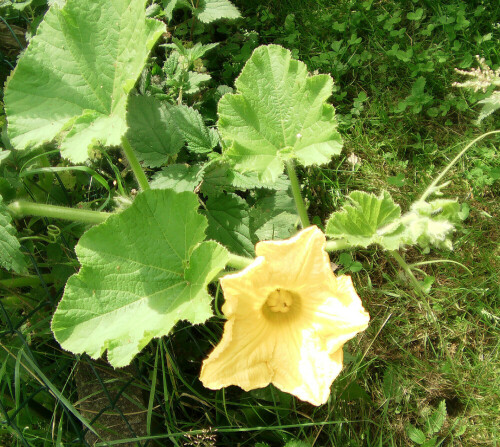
<point x="288" y="317"/>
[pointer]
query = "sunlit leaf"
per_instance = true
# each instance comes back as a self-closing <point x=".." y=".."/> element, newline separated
<point x="211" y="10"/>
<point x="364" y="221"/>
<point x="142" y="271"/>
<point x="279" y="112"/>
<point x="377" y="220"/>
<point x="73" y="80"/>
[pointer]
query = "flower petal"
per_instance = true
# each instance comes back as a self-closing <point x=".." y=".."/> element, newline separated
<point x="293" y="260"/>
<point x="298" y="349"/>
<point x="242" y="357"/>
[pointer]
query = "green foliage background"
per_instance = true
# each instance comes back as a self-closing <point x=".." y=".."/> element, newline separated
<point x="424" y="373"/>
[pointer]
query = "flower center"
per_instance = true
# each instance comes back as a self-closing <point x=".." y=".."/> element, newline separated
<point x="280" y="300"/>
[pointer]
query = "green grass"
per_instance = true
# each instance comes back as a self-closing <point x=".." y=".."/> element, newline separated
<point x="416" y="353"/>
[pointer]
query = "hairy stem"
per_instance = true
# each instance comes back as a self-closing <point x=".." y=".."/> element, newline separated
<point x="22" y="208"/>
<point x="338" y="245"/>
<point x="238" y="262"/>
<point x="134" y="164"/>
<point x="25" y="281"/>
<point x="406" y="268"/>
<point x="297" y="196"/>
<point x="432" y="186"/>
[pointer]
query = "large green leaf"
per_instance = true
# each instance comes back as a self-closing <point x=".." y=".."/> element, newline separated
<point x="367" y="220"/>
<point x="142" y="271"/>
<point x="73" y="80"/>
<point x="11" y="257"/>
<point x="278" y="113"/>
<point x="229" y="223"/>
<point x="152" y="130"/>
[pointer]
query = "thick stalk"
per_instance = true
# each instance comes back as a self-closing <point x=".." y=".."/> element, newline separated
<point x="238" y="262"/>
<point x="134" y="164"/>
<point x="21" y="209"/>
<point x="25" y="281"/>
<point x="297" y="196"/>
<point x="406" y="268"/>
<point x="341" y="244"/>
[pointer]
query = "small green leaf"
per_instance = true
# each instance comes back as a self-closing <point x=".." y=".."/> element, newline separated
<point x="278" y="113"/>
<point x="4" y="155"/>
<point x="416" y="15"/>
<point x="398" y="180"/>
<point x="190" y="123"/>
<point x="73" y="80"/>
<point x="415" y="434"/>
<point x="11" y="257"/>
<point x="194" y="81"/>
<point x="430" y="442"/>
<point x="297" y="444"/>
<point x="152" y="130"/>
<point x="345" y="259"/>
<point x="390" y="385"/>
<point x="436" y="420"/>
<point x="366" y="221"/>
<point x="169" y="6"/>
<point x="228" y="223"/>
<point x="355" y="392"/>
<point x="142" y="271"/>
<point x="211" y="10"/>
<point x="178" y="177"/>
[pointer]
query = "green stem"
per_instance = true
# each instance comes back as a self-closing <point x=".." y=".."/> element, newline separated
<point x="134" y="164"/>
<point x="25" y="281"/>
<point x="402" y="263"/>
<point x="432" y="186"/>
<point x="238" y="262"/>
<point x="338" y="245"/>
<point x="21" y="209"/>
<point x="297" y="196"/>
